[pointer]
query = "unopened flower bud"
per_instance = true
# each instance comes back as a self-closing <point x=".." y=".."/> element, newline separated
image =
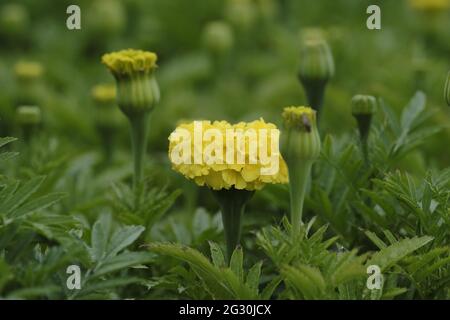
<point x="28" y="70"/>
<point x="13" y="20"/>
<point x="363" y="107"/>
<point x="316" y="69"/>
<point x="115" y="23"/>
<point x="241" y="13"/>
<point x="303" y="135"/>
<point x="29" y="115"/>
<point x="302" y="149"/>
<point x="218" y="37"/>
<point x="430" y="6"/>
<point x="107" y="115"/>
<point x="137" y="89"/>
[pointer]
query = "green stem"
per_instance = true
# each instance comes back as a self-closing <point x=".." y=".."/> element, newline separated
<point x="315" y="92"/>
<point x="139" y="135"/>
<point x="299" y="175"/>
<point x="232" y="203"/>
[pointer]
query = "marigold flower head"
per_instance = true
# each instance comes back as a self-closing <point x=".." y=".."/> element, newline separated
<point x="225" y="156"/>
<point x="130" y="61"/>
<point x="27" y="70"/>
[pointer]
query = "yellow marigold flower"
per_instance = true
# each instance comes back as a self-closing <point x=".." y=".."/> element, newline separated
<point x="430" y="5"/>
<point x="130" y="61"/>
<point x="104" y="93"/>
<point x="225" y="156"/>
<point x="26" y="70"/>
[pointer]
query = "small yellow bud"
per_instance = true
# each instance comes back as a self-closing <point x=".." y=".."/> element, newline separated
<point x="28" y="70"/>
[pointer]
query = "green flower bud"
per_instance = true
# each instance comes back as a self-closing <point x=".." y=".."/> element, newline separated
<point x="13" y="19"/>
<point x="303" y="135"/>
<point x="29" y="118"/>
<point x="108" y="117"/>
<point x="241" y="13"/>
<point x="27" y="71"/>
<point x="218" y="37"/>
<point x="137" y="89"/>
<point x="29" y="115"/>
<point x="115" y="22"/>
<point x="137" y="95"/>
<point x="316" y="62"/>
<point x="316" y="69"/>
<point x="363" y="107"/>
<point x="301" y="150"/>
<point x="447" y="89"/>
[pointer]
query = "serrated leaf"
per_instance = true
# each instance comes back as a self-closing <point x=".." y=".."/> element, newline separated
<point x="237" y="263"/>
<point x="122" y="261"/>
<point x="252" y="281"/>
<point x="387" y="257"/>
<point x="217" y="255"/>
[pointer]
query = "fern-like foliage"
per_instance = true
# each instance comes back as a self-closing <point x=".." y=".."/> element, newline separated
<point x="216" y="278"/>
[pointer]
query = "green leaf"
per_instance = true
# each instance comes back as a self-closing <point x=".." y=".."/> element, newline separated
<point x="236" y="263"/>
<point x="21" y="194"/>
<point x="123" y="261"/>
<point x="214" y="280"/>
<point x="217" y="255"/>
<point x="38" y="204"/>
<point x="306" y="279"/>
<point x="5" y="140"/>
<point x="100" y="236"/>
<point x="410" y="113"/>
<point x="387" y="257"/>
<point x="253" y="275"/>
<point x="122" y="238"/>
<point x="269" y="289"/>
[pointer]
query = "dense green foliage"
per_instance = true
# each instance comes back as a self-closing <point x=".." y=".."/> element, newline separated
<point x="65" y="191"/>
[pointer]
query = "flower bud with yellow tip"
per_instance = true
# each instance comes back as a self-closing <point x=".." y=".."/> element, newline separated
<point x="302" y="148"/>
<point x="137" y="95"/>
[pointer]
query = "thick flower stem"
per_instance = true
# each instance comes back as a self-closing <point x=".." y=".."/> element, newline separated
<point x="315" y="92"/>
<point x="139" y="134"/>
<point x="232" y="203"/>
<point x="299" y="175"/>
